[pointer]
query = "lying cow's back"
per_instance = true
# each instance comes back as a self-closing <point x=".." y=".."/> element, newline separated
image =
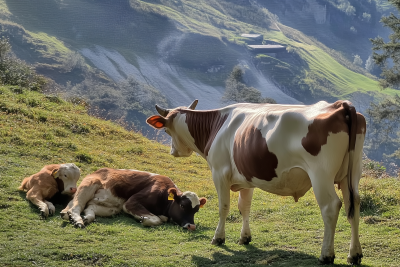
<point x="125" y="183"/>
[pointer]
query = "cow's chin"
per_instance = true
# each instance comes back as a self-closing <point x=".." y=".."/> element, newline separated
<point x="176" y="153"/>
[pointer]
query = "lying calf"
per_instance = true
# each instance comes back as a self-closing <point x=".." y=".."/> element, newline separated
<point x="148" y="197"/>
<point x="50" y="180"/>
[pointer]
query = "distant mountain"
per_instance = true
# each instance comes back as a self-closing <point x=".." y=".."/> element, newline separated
<point x="172" y="52"/>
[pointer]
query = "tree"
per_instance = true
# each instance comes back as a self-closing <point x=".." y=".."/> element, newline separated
<point x="357" y="60"/>
<point x="389" y="59"/>
<point x="369" y="64"/>
<point x="237" y="91"/>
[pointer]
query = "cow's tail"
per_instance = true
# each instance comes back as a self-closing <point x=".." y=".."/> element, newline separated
<point x="23" y="184"/>
<point x="351" y="116"/>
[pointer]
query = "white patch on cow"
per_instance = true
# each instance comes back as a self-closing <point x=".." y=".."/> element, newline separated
<point x="192" y="197"/>
<point x="151" y="220"/>
<point x="105" y="198"/>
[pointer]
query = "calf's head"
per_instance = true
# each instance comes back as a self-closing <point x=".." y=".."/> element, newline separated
<point x="183" y="207"/>
<point x="66" y="177"/>
<point x="174" y="124"/>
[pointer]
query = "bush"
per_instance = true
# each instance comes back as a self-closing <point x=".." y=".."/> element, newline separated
<point x="14" y="71"/>
<point x="237" y="91"/>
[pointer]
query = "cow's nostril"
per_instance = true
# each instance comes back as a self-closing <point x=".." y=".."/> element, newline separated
<point x="73" y="189"/>
<point x="191" y="227"/>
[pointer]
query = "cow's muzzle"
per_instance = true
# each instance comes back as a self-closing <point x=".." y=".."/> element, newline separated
<point x="190" y="227"/>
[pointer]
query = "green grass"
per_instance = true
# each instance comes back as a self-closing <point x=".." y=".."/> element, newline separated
<point x="36" y="130"/>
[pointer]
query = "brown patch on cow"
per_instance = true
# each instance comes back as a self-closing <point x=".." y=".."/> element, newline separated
<point x="252" y="157"/>
<point x="333" y="121"/>
<point x="204" y="126"/>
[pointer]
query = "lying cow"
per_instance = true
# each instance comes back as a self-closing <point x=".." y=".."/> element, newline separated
<point x="148" y="197"/>
<point x="282" y="149"/>
<point x="51" y="179"/>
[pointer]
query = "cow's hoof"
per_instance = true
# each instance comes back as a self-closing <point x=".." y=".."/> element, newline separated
<point x="85" y="220"/>
<point x="218" y="241"/>
<point x="245" y="240"/>
<point x="43" y="215"/>
<point x="326" y="260"/>
<point x="355" y="260"/>
<point x="64" y="215"/>
<point x="51" y="212"/>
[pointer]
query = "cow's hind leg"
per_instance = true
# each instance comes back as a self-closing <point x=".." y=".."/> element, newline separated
<point x="224" y="205"/>
<point x="355" y="253"/>
<point x="93" y="209"/>
<point x="133" y="207"/>
<point x="329" y="204"/>
<point x="244" y="204"/>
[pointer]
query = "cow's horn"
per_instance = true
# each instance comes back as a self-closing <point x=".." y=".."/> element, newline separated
<point x="193" y="105"/>
<point x="163" y="111"/>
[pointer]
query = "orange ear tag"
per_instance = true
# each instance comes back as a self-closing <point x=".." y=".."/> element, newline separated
<point x="171" y="196"/>
<point x="201" y="206"/>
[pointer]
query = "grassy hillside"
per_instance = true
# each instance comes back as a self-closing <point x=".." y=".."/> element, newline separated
<point x="36" y="130"/>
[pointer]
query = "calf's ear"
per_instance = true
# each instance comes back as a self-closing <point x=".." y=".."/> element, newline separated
<point x="156" y="121"/>
<point x="54" y="173"/>
<point x="203" y="201"/>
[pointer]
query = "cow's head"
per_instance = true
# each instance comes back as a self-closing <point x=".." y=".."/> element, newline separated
<point x="66" y="177"/>
<point x="183" y="207"/>
<point x="171" y="122"/>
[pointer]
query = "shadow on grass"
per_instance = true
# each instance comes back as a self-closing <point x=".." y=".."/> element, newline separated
<point x="253" y="256"/>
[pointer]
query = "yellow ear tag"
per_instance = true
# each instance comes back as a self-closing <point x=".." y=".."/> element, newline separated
<point x="55" y="173"/>
<point x="201" y="206"/>
<point x="171" y="196"/>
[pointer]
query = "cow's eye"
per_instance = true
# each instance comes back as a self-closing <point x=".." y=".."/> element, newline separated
<point x="181" y="206"/>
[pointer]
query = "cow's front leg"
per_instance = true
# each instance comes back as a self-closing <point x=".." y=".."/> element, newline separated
<point x="82" y="196"/>
<point x="63" y="213"/>
<point x="224" y="203"/>
<point x="51" y="207"/>
<point x="133" y="207"/>
<point x="36" y="198"/>
<point x="244" y="205"/>
<point x="329" y="204"/>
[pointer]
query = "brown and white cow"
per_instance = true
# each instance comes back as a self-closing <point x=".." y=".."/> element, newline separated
<point x="148" y="197"/>
<point x="51" y="179"/>
<point x="282" y="149"/>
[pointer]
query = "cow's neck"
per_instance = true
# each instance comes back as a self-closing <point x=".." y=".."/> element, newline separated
<point x="203" y="126"/>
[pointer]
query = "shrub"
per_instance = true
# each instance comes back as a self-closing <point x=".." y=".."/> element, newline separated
<point x="14" y="71"/>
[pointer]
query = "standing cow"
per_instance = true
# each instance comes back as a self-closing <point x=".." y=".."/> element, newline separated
<point x="282" y="149"/>
<point x="148" y="197"/>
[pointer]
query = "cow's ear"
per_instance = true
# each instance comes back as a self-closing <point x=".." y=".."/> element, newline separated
<point x="157" y="121"/>
<point x="54" y="173"/>
<point x="203" y="201"/>
<point x="172" y="194"/>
